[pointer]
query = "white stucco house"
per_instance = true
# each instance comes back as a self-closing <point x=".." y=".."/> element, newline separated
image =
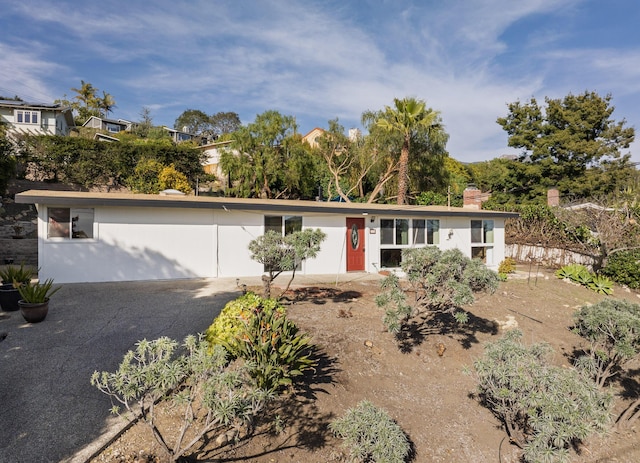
<point x="93" y="237"/>
<point x="23" y="118"/>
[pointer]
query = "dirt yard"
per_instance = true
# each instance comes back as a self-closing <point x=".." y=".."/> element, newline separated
<point x="419" y="380"/>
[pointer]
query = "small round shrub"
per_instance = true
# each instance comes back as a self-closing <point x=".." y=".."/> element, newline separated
<point x="371" y="435"/>
<point x="508" y="265"/>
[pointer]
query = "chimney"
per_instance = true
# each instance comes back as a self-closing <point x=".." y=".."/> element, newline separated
<point x="553" y="197"/>
<point x="472" y="197"/>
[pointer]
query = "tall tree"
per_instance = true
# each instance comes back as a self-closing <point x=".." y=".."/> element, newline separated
<point x="86" y="94"/>
<point x="225" y="122"/>
<point x="260" y="162"/>
<point x="410" y="118"/>
<point x="568" y="137"/>
<point x="195" y="122"/>
<point x="106" y="104"/>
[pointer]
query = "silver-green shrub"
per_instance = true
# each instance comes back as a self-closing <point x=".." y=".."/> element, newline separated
<point x="442" y="281"/>
<point x="371" y="435"/>
<point x="195" y="379"/>
<point x="545" y="409"/>
<point x="612" y="328"/>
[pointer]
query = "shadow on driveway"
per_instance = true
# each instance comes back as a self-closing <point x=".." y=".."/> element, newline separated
<point x="48" y="410"/>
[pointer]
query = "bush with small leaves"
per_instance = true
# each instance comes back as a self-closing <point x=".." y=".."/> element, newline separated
<point x="157" y="370"/>
<point x="508" y="265"/>
<point x="226" y="327"/>
<point x="612" y="328"/>
<point x="371" y="435"/>
<point x="545" y="409"/>
<point x="624" y="268"/>
<point x="442" y="281"/>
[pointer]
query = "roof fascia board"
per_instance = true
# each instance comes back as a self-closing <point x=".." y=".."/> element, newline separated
<point x="236" y="204"/>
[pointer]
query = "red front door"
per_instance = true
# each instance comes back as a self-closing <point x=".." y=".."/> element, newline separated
<point x="355" y="244"/>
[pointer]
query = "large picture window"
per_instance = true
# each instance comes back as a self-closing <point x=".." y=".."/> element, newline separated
<point x="69" y="223"/>
<point x="482" y="240"/>
<point x="397" y="234"/>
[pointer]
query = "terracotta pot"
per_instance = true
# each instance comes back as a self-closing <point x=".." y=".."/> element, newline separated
<point x="9" y="297"/>
<point x="34" y="312"/>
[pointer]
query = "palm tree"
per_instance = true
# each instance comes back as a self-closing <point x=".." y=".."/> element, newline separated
<point x="86" y="93"/>
<point x="409" y="117"/>
<point x="106" y="103"/>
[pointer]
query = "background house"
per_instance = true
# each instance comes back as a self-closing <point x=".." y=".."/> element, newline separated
<point x="23" y="118"/>
<point x="109" y="125"/>
<point x="117" y="237"/>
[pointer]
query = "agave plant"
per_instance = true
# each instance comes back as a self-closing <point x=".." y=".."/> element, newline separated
<point x="601" y="285"/>
<point x="36" y="293"/>
<point x="13" y="274"/>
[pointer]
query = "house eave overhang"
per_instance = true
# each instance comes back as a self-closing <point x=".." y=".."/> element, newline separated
<point x="88" y="199"/>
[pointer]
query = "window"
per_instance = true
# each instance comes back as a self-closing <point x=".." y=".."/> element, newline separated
<point x="114" y="128"/>
<point x="27" y="117"/>
<point x="396" y="234"/>
<point x="285" y="225"/>
<point x="69" y="223"/>
<point x="482" y="240"/>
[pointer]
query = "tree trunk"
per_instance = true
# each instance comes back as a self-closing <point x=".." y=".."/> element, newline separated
<point x="403" y="172"/>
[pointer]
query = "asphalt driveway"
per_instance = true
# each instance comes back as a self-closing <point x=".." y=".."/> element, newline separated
<point x="49" y="412"/>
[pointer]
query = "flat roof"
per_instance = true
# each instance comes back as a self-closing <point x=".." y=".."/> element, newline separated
<point x="89" y="199"/>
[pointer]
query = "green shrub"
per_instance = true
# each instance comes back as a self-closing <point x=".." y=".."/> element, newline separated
<point x="507" y="266"/>
<point x="624" y="268"/>
<point x="442" y="281"/>
<point x="612" y="328"/>
<point x="226" y="327"/>
<point x="371" y="435"/>
<point x="273" y="348"/>
<point x="545" y="409"/>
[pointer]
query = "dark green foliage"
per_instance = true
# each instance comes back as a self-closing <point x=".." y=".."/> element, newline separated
<point x="274" y="349"/>
<point x="624" y="267"/>
<point x="442" y="281"/>
<point x="612" y="328"/>
<point x="7" y="162"/>
<point x="371" y="435"/>
<point x="545" y="409"/>
<point x="89" y="162"/>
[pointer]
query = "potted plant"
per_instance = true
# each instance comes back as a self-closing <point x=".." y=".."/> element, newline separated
<point x="34" y="304"/>
<point x="11" y="277"/>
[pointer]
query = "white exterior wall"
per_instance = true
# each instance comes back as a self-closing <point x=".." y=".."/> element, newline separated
<point x="132" y="244"/>
<point x="148" y="243"/>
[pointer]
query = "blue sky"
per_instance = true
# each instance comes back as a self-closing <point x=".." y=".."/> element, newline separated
<point x="319" y="60"/>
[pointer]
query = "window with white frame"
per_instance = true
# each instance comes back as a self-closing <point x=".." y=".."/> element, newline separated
<point x="27" y="117"/>
<point x="69" y="223"/>
<point x="398" y="234"/>
<point x="482" y="240"/>
<point x="284" y="225"/>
